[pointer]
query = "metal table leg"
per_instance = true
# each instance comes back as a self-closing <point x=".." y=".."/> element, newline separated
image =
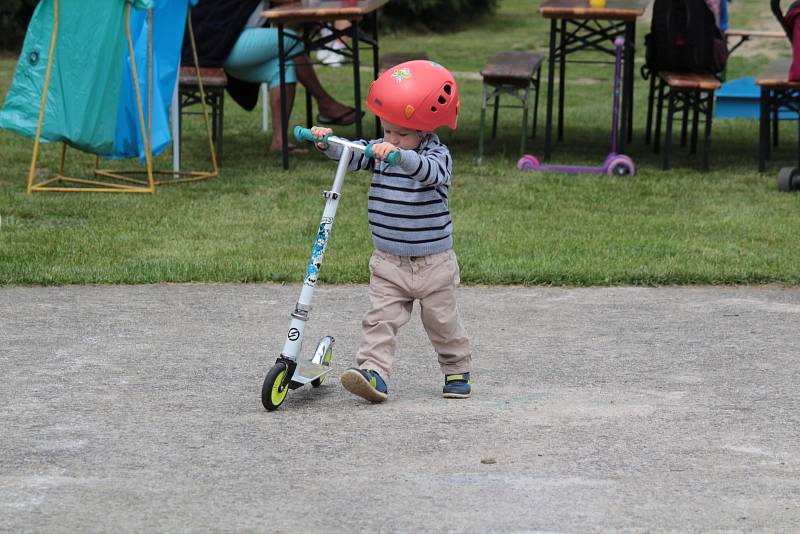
<point x="376" y="67"/>
<point x="548" y="121"/>
<point x="763" y="130"/>
<point x="562" y="72"/>
<point x="625" y="125"/>
<point x="284" y="117"/>
<point x="357" y="82"/>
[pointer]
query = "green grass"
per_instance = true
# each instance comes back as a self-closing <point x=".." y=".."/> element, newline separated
<point x="256" y="222"/>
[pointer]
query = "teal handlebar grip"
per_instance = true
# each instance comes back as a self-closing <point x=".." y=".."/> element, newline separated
<point x="304" y="134"/>
<point x="392" y="159"/>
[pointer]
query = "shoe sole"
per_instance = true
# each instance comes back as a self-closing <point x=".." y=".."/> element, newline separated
<point x="355" y="383"/>
<point x="455" y="395"/>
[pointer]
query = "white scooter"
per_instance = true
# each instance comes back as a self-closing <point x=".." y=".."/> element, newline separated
<point x="290" y="371"/>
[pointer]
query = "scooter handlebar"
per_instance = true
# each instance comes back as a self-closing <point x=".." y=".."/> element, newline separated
<point x="392" y="159"/>
<point x="304" y="134"/>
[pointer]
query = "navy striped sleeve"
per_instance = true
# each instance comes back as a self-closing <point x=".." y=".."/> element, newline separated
<point x="432" y="165"/>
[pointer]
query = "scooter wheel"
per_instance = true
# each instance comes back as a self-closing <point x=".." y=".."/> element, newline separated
<point x="621" y="166"/>
<point x="326" y="361"/>
<point x="788" y="179"/>
<point x="527" y="163"/>
<point x="273" y="392"/>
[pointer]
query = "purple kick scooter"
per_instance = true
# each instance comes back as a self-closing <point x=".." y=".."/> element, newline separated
<point x="615" y="164"/>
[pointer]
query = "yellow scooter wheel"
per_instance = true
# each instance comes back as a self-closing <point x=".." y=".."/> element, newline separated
<point x="273" y="392"/>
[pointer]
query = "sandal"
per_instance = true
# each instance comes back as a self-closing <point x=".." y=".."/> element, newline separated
<point x="340" y="119"/>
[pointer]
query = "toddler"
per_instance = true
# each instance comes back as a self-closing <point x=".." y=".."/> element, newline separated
<point x="411" y="228"/>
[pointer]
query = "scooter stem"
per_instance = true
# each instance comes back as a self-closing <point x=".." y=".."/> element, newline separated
<point x="294" y="338"/>
<point x="619" y="42"/>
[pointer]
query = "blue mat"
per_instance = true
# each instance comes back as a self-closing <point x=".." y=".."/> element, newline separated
<point x="740" y="99"/>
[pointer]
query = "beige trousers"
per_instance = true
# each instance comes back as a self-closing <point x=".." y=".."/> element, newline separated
<point x="395" y="283"/>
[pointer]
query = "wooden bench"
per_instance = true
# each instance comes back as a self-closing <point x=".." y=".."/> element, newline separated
<point x="214" y="82"/>
<point x="682" y="93"/>
<point x="395" y="58"/>
<point x="777" y="94"/>
<point x="514" y="74"/>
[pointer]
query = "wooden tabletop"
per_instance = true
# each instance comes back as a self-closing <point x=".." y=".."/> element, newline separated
<point x="774" y="76"/>
<point x="322" y="10"/>
<point x="580" y="9"/>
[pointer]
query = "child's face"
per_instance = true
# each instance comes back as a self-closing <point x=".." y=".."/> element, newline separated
<point x="399" y="136"/>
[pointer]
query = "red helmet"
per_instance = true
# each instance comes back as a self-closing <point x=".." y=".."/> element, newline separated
<point x="418" y="95"/>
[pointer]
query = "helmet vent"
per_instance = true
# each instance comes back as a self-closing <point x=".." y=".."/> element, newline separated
<point x="448" y="88"/>
<point x="442" y="100"/>
<point x="433" y="108"/>
<point x="378" y="101"/>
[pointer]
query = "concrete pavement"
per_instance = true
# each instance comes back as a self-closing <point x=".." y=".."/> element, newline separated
<point x="137" y="408"/>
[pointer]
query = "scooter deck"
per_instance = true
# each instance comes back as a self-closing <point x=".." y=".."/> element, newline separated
<point x="307" y="371"/>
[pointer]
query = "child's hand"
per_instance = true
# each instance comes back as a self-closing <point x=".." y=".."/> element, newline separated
<point x="319" y="133"/>
<point x="382" y="150"/>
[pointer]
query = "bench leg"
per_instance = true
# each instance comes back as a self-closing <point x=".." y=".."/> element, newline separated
<point x="526" y="100"/>
<point x="211" y="102"/>
<point x="709" y="118"/>
<point x="220" y="126"/>
<point x="695" y="123"/>
<point x="685" y="118"/>
<point x="798" y="141"/>
<point x="775" y="126"/>
<point x="483" y="124"/>
<point x="659" y="111"/>
<point x="668" y="133"/>
<point x="494" y="121"/>
<point x="648" y="130"/>
<point x="770" y="125"/>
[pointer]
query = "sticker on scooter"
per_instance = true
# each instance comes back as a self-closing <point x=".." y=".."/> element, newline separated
<point x="294" y="334"/>
<point x="315" y="263"/>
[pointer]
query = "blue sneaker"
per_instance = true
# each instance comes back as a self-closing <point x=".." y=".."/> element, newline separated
<point x="365" y="383"/>
<point x="456" y="386"/>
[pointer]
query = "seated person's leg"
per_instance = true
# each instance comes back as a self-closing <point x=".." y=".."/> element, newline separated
<point x="254" y="57"/>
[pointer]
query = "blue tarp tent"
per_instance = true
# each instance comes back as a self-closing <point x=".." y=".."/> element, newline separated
<point x="83" y="89"/>
<point x="74" y="81"/>
<point x="168" y="18"/>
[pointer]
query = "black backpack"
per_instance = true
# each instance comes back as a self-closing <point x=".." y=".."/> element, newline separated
<point x="684" y="37"/>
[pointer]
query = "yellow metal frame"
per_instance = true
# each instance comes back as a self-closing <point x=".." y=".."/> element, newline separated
<point x="121" y="181"/>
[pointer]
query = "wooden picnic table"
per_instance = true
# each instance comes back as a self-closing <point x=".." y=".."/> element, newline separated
<point x="575" y="26"/>
<point x="613" y="10"/>
<point x="311" y="16"/>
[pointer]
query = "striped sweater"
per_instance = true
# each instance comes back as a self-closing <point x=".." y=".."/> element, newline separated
<point x="408" y="208"/>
